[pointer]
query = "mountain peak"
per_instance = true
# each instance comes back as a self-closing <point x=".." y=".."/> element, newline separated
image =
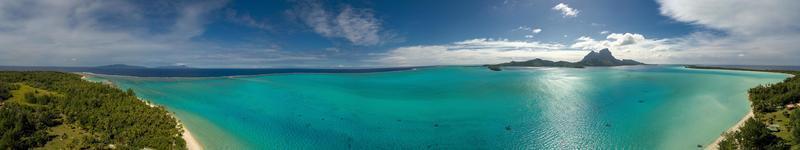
<point x="600" y="58"/>
<point x="604" y="58"/>
<point x="604" y="51"/>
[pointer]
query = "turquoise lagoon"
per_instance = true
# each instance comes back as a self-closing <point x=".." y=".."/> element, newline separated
<point x="635" y="107"/>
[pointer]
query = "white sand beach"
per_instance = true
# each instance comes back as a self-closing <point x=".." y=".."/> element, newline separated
<point x="191" y="142"/>
<point x="714" y="146"/>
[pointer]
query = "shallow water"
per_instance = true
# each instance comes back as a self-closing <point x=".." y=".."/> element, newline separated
<point x="637" y="107"/>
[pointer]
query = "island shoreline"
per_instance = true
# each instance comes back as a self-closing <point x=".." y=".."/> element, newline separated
<point x="715" y="145"/>
<point x="190" y="141"/>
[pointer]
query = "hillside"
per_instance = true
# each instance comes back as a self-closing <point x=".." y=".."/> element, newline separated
<point x="54" y="110"/>
<point x="601" y="58"/>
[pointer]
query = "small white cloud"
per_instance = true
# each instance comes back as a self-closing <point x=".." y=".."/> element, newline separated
<point x="529" y="29"/>
<point x="604" y="32"/>
<point x="537" y="30"/>
<point x="566" y="11"/>
<point x="529" y="36"/>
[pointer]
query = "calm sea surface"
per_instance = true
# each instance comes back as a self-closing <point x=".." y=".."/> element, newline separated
<point x="637" y="107"/>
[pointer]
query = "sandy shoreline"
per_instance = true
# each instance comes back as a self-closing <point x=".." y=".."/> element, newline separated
<point x="191" y="142"/>
<point x="735" y="127"/>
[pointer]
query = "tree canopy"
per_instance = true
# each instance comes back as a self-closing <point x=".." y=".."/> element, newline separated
<point x="113" y="117"/>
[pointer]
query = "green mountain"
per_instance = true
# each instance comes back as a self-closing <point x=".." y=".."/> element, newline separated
<point x="604" y="58"/>
<point x="601" y="58"/>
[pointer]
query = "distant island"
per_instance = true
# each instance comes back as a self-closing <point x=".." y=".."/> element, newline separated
<point x="601" y="58"/>
<point x="174" y="67"/>
<point x="125" y="66"/>
<point x="121" y="66"/>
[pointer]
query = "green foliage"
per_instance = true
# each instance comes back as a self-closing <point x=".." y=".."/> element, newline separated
<point x="794" y="123"/>
<point x="765" y="99"/>
<point x="22" y="128"/>
<point x="5" y="90"/>
<point x="752" y="135"/>
<point x="116" y="117"/>
<point x="768" y="98"/>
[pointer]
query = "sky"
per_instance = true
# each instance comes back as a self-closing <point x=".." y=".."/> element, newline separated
<point x="362" y="33"/>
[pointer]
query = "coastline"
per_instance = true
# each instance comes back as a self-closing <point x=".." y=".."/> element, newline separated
<point x="714" y="145"/>
<point x="191" y="141"/>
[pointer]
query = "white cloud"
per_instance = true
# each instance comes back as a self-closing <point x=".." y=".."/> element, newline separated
<point x="70" y="33"/>
<point x="54" y="32"/>
<point x="737" y="16"/>
<point x="358" y="26"/>
<point x="633" y="46"/>
<point x="476" y="51"/>
<point x="529" y="29"/>
<point x="537" y="30"/>
<point x="566" y="11"/>
<point x="764" y="32"/>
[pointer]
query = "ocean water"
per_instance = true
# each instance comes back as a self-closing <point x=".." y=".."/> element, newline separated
<point x="635" y="107"/>
<point x="196" y="72"/>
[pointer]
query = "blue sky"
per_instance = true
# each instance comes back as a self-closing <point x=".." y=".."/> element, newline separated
<point x="361" y="33"/>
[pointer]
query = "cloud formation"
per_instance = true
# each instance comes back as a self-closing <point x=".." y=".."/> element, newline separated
<point x="634" y="46"/>
<point x="475" y="51"/>
<point x="756" y="32"/>
<point x="357" y="25"/>
<point x="70" y="33"/>
<point x="488" y="51"/>
<point x="58" y="32"/>
<point x="565" y="10"/>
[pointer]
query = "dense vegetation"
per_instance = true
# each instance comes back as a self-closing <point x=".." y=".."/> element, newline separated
<point x="752" y="135"/>
<point x="773" y="97"/>
<point x="107" y="117"/>
<point x="768" y="103"/>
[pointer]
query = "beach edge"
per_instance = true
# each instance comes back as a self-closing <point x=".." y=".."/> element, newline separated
<point x="191" y="142"/>
<point x="715" y="145"/>
<point x="188" y="138"/>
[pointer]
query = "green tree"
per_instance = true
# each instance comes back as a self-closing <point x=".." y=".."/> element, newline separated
<point x="752" y="135"/>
